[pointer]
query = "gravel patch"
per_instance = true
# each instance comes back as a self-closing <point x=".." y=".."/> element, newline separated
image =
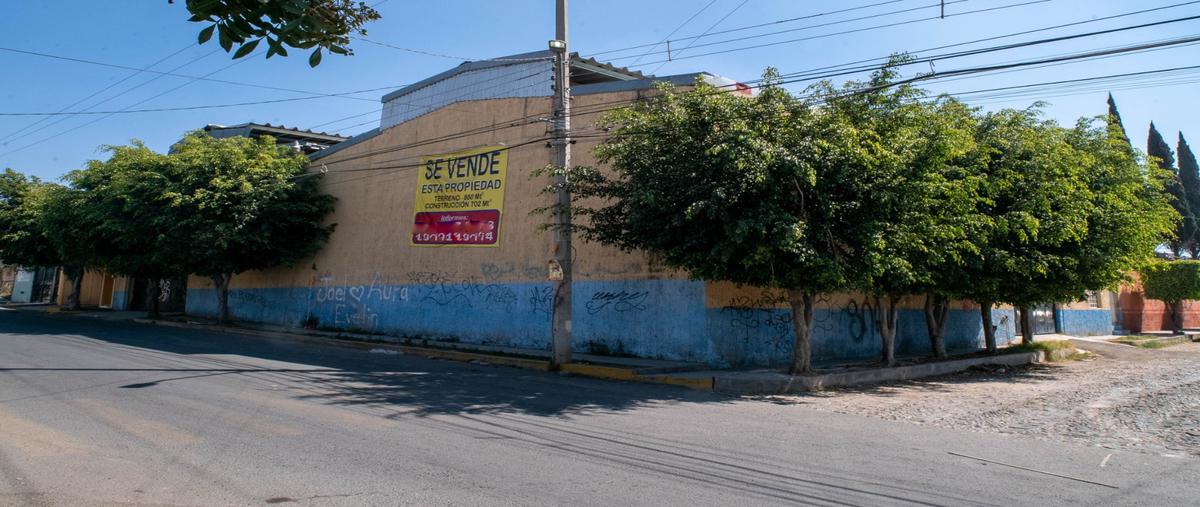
<point x="1124" y="398"/>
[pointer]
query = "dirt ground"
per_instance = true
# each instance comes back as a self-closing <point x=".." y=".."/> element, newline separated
<point x="1145" y="400"/>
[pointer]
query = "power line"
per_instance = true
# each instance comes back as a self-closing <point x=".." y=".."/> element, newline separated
<point x="709" y="29"/>
<point x="516" y="122"/>
<point x="799" y="77"/>
<point x="451" y="57"/>
<point x="143" y="101"/>
<point x="846" y="32"/>
<point x="818" y="25"/>
<point x="760" y="25"/>
<point x="100" y="91"/>
<point x="110" y="98"/>
<point x="681" y="25"/>
<point x="190" y="108"/>
<point x="185" y="76"/>
<point x="1005" y="36"/>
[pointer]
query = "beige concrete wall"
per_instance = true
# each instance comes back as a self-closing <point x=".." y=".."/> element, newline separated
<point x="374" y="184"/>
<point x="89" y="292"/>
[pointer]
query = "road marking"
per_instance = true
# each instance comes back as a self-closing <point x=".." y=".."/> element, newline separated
<point x="1018" y="467"/>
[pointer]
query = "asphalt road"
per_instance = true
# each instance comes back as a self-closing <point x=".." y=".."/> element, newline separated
<point x="114" y="413"/>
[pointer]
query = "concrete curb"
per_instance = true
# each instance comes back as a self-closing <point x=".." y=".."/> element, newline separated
<point x="1167" y="340"/>
<point x="600" y="371"/>
<point x="773" y="382"/>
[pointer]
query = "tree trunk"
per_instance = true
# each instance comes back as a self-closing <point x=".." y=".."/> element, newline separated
<point x="153" y="291"/>
<point x="885" y="321"/>
<point x="1026" y="321"/>
<point x="937" y="310"/>
<point x="222" y="283"/>
<point x="989" y="329"/>
<point x="54" y="286"/>
<point x="802" y="317"/>
<point x="1176" y="308"/>
<point x="73" y="302"/>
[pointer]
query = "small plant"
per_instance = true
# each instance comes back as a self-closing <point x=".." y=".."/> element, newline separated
<point x="1054" y="350"/>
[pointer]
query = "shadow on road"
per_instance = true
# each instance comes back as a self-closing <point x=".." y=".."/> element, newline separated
<point x="333" y="375"/>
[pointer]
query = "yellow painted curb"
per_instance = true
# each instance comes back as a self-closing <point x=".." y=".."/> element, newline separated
<point x="697" y="383"/>
<point x="457" y="355"/>
<point x="597" y="371"/>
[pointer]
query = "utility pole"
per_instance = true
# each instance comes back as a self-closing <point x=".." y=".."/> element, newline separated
<point x="560" y="266"/>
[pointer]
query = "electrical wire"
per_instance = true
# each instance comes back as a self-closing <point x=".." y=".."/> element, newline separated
<point x="681" y="25"/>
<point x="709" y="29"/>
<point x="172" y="74"/>
<point x="927" y="77"/>
<point x="845" y="32"/>
<point x="760" y="25"/>
<point x="100" y="91"/>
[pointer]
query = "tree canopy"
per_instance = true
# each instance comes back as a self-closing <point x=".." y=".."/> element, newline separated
<point x="300" y="24"/>
<point x="1160" y="153"/>
<point x="1189" y="177"/>
<point x="873" y="187"/>
<point x="247" y="204"/>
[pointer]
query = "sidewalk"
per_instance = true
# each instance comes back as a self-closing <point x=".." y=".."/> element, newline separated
<point x="604" y="367"/>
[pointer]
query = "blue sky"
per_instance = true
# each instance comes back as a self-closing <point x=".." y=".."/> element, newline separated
<point x="137" y="33"/>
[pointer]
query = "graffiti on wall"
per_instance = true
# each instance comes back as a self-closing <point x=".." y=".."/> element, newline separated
<point x="357" y="306"/>
<point x="444" y="289"/>
<point x="541" y="300"/>
<point x="618" y="301"/>
<point x="753" y="317"/>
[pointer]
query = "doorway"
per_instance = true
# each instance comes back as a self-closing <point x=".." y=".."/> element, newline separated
<point x="1042" y="319"/>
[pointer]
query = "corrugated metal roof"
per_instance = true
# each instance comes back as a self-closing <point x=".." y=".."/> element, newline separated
<point x="248" y="127"/>
<point x="583" y="70"/>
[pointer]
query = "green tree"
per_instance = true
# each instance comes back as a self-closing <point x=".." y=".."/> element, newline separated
<point x="248" y="205"/>
<point x="22" y="242"/>
<point x="746" y="190"/>
<point x="135" y="203"/>
<point x="301" y="24"/>
<point x="917" y="192"/>
<point x="1114" y="119"/>
<point x="66" y="220"/>
<point x="1033" y="201"/>
<point x="1172" y="283"/>
<point x="1189" y="176"/>
<point x="1161" y="154"/>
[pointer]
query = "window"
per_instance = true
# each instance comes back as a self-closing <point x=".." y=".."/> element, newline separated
<point x="1093" y="299"/>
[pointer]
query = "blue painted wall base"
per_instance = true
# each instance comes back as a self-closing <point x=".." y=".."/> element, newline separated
<point x="661" y="319"/>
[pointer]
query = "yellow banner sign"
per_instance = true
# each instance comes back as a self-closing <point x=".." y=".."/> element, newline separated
<point x="460" y="197"/>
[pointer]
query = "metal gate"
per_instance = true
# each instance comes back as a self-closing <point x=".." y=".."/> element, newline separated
<point x="1042" y="317"/>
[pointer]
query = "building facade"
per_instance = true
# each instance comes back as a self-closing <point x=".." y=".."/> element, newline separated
<point x="437" y="239"/>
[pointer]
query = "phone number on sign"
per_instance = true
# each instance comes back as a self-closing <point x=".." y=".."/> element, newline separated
<point x="455" y="237"/>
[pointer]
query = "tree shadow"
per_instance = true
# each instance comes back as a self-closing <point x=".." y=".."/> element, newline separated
<point x="386" y="384"/>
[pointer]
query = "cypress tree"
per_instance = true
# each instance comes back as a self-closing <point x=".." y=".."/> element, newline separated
<point x="1114" y="118"/>
<point x="1189" y="175"/>
<point x="1185" y="233"/>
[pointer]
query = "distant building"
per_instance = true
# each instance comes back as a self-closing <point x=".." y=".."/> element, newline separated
<point x="305" y="141"/>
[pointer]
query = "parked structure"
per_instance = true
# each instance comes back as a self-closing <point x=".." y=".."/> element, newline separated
<point x="436" y="240"/>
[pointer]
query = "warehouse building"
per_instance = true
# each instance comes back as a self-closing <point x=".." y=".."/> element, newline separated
<point x="436" y="239"/>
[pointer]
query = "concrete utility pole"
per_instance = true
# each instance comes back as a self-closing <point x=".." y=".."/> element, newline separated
<point x="560" y="331"/>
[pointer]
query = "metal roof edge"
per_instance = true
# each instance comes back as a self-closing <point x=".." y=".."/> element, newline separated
<point x="468" y="67"/>
<point x="345" y="144"/>
<point x="637" y="84"/>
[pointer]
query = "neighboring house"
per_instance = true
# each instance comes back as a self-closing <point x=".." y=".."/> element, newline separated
<point x="436" y="240"/>
<point x="122" y="293"/>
